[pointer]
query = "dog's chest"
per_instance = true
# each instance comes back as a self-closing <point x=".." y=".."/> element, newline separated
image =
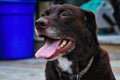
<point x="65" y="64"/>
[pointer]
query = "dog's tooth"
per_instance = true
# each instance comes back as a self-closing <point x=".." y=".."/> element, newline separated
<point x="64" y="42"/>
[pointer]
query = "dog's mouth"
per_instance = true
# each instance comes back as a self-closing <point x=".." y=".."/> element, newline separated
<point x="54" y="47"/>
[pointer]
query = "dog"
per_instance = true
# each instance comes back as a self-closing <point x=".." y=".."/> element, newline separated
<point x="71" y="47"/>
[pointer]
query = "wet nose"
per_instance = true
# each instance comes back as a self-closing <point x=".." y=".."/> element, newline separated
<point x="41" y="23"/>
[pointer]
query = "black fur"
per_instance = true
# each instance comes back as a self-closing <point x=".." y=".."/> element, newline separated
<point x="80" y="25"/>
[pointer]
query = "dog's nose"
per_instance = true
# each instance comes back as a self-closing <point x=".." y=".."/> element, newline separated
<point x="41" y="23"/>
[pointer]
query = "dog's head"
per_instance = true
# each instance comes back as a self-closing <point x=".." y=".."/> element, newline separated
<point x="65" y="27"/>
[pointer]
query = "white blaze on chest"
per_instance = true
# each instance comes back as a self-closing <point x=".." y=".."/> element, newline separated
<point x="65" y="64"/>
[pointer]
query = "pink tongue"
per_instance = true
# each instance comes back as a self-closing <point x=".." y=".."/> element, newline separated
<point x="48" y="49"/>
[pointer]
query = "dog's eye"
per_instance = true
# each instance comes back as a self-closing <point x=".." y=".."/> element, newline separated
<point x="65" y="14"/>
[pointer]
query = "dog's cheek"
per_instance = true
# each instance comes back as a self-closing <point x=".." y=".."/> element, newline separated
<point x="66" y="20"/>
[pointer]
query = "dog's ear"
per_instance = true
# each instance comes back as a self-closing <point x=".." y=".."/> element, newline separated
<point x="90" y="20"/>
<point x="90" y="23"/>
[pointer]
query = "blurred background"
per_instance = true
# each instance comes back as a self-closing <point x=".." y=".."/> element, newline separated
<point x="18" y="43"/>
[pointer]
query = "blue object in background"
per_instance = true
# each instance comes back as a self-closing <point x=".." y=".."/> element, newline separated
<point x="16" y="29"/>
<point x="91" y="5"/>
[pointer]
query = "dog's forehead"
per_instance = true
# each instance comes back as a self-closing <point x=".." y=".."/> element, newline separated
<point x="58" y="7"/>
<point x="73" y="8"/>
<point x="68" y="6"/>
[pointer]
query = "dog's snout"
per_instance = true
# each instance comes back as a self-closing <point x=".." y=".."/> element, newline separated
<point x="41" y="23"/>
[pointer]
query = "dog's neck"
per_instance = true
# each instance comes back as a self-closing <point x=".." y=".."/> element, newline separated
<point x="64" y="65"/>
<point x="68" y="65"/>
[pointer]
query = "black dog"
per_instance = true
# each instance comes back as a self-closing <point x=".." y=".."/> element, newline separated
<point x="71" y="45"/>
